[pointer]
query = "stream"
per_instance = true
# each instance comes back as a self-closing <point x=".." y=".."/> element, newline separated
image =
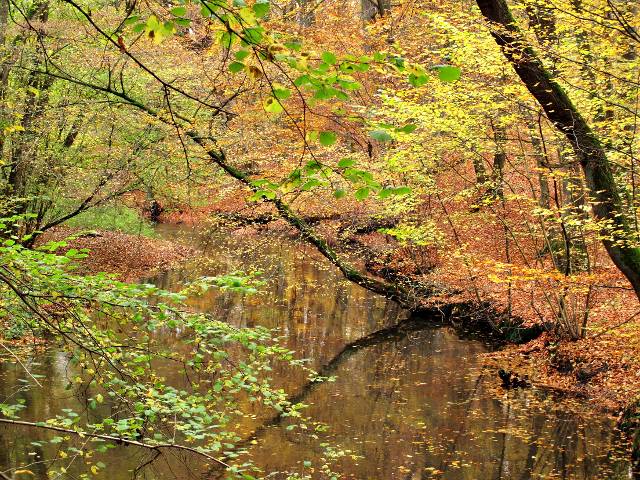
<point x="415" y="404"/>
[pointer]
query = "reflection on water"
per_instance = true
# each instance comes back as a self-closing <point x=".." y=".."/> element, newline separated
<point x="412" y="405"/>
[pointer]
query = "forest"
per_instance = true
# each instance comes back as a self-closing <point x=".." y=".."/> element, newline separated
<point x="319" y="239"/>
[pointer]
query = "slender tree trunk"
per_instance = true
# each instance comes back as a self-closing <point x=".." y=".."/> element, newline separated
<point x="499" y="161"/>
<point x="4" y="66"/>
<point x="542" y="164"/>
<point x="606" y="202"/>
<point x="480" y="171"/>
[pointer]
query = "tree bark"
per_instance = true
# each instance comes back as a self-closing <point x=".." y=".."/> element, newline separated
<point x="370" y="9"/>
<point x="605" y="198"/>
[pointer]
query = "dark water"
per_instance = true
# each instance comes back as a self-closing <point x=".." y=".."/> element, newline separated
<point x="414" y="404"/>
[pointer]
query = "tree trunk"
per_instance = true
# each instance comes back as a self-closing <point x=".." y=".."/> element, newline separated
<point x="370" y="9"/>
<point x="499" y="161"/>
<point x="4" y="68"/>
<point x="605" y="198"/>
<point x="542" y="164"/>
<point x="403" y="296"/>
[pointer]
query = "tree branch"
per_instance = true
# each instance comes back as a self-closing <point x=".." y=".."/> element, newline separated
<point x="111" y="438"/>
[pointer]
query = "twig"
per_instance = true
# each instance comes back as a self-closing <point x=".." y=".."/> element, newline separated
<point x="625" y="321"/>
<point x="21" y="364"/>
<point x="111" y="438"/>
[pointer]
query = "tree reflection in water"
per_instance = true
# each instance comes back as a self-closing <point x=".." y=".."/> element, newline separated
<point x="409" y="403"/>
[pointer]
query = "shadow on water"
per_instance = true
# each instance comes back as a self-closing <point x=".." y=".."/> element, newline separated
<point x="408" y="402"/>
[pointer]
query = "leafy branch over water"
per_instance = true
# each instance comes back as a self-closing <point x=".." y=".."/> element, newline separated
<point x="109" y="331"/>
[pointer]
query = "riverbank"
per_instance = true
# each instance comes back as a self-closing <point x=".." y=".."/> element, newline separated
<point x="603" y="367"/>
<point x="131" y="257"/>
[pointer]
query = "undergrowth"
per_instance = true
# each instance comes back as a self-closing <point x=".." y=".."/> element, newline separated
<point x="113" y="217"/>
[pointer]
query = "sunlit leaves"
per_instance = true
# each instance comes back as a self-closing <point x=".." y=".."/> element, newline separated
<point x="273" y="106"/>
<point x="157" y="30"/>
<point x="390" y="191"/>
<point x="447" y="73"/>
<point x="329" y="58"/>
<point x="205" y="413"/>
<point x="132" y="20"/>
<point x="346" y="163"/>
<point x="252" y="35"/>
<point x="408" y="128"/>
<point x="179" y="11"/>
<point x="362" y="193"/>
<point x="418" y="80"/>
<point x="281" y="92"/>
<point x="242" y="54"/>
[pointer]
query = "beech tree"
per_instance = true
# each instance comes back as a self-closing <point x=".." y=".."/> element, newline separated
<point x="606" y="201"/>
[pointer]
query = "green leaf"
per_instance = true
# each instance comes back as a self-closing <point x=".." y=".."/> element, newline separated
<point x="447" y="73"/>
<point x="260" y="9"/>
<point x="418" y="80"/>
<point x="381" y="135"/>
<point x="281" y="93"/>
<point x="254" y="35"/>
<point x="323" y="93"/>
<point x="294" y="45"/>
<point x="327" y="138"/>
<point x="328" y="57"/>
<point x="242" y="54"/>
<point x="362" y="193"/>
<point x="339" y="193"/>
<point x="385" y="193"/>
<point x="310" y="184"/>
<point x="227" y="39"/>
<point x="236" y="67"/>
<point x="346" y="162"/>
<point x="401" y="191"/>
<point x="179" y="11"/>
<point x="131" y="20"/>
<point x="408" y="128"/>
<point x="398" y="62"/>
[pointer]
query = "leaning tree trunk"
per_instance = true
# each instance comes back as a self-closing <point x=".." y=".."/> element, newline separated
<point x="606" y="203"/>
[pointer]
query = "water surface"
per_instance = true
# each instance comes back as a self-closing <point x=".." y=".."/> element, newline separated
<point x="413" y="404"/>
